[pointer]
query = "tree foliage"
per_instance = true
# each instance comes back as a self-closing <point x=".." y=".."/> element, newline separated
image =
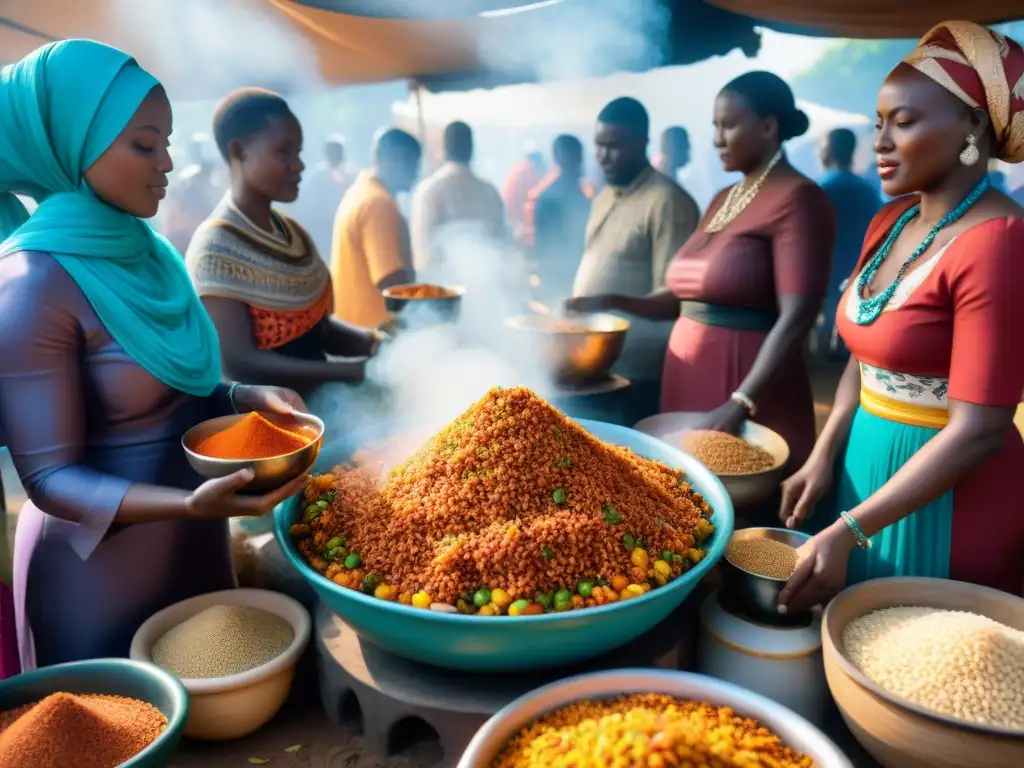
<point x="848" y="75"/>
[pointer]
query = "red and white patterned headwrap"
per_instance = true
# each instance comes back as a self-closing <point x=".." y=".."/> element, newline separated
<point x="985" y="70"/>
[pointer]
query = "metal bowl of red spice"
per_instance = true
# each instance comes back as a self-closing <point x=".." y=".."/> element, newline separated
<point x="276" y="447"/>
<point x="105" y="713"/>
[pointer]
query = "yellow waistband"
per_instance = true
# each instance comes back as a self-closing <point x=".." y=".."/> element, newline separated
<point x="903" y="413"/>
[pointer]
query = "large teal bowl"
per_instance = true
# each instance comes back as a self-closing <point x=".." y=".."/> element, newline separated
<point x="113" y="677"/>
<point x="503" y="643"/>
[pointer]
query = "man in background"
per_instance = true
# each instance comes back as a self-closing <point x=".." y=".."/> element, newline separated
<point x="555" y="220"/>
<point x="371" y="249"/>
<point x="675" y="152"/>
<point x="637" y="224"/>
<point x="451" y="198"/>
<point x="525" y="175"/>
<point x="856" y="201"/>
<point x="323" y="186"/>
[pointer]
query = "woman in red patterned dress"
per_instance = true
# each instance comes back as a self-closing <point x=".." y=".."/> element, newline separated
<point x="919" y="461"/>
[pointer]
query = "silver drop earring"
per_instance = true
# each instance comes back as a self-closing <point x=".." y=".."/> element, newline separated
<point x="970" y="154"/>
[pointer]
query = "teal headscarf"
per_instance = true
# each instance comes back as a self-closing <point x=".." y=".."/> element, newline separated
<point x="61" y="107"/>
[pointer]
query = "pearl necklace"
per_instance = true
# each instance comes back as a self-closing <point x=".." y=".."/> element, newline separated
<point x="868" y="310"/>
<point x="739" y="198"/>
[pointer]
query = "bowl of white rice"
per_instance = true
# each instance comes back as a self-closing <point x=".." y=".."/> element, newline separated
<point x="235" y="651"/>
<point x="929" y="673"/>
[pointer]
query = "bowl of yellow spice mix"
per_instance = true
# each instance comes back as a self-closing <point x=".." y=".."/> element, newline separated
<point x="235" y="651"/>
<point x="652" y="718"/>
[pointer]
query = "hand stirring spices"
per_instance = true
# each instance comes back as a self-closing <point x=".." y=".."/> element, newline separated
<point x="254" y="437"/>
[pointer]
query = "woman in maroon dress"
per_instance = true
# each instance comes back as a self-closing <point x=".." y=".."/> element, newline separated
<point x="747" y="286"/>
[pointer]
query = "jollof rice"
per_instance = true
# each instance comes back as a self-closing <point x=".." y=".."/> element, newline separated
<point x="511" y="497"/>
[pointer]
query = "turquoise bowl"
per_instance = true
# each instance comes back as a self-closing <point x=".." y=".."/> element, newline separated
<point x="113" y="677"/>
<point x="504" y="643"/>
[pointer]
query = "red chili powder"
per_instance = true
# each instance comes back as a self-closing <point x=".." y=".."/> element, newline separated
<point x="253" y="437"/>
<point x="78" y="731"/>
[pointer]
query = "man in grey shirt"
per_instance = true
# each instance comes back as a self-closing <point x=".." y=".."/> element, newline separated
<point x="637" y="224"/>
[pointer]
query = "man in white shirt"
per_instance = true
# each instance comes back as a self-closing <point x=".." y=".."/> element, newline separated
<point x="453" y="200"/>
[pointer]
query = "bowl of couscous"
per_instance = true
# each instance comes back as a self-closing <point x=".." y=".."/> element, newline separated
<point x="656" y="717"/>
<point x="750" y="464"/>
<point x="929" y="672"/>
<point x="488" y="551"/>
<point x="757" y="564"/>
<point x="235" y="651"/>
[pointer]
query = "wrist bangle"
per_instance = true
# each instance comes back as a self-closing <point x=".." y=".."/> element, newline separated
<point x="858" y="533"/>
<point x="231" y="395"/>
<point x="746" y="402"/>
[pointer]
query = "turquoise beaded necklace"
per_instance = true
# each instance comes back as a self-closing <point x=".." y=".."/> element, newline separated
<point x="869" y="309"/>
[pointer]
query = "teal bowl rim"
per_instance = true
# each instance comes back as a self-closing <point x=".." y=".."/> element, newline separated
<point x="179" y="695"/>
<point x="699" y="473"/>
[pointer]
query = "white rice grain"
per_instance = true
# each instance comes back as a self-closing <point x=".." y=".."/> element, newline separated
<point x="953" y="663"/>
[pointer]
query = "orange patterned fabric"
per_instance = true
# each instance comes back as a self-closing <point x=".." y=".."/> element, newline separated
<point x="274" y="328"/>
<point x="984" y="69"/>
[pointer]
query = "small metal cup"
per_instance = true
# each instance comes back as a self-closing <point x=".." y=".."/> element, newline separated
<point x="756" y="594"/>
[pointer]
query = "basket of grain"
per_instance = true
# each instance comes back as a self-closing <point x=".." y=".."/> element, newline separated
<point x="750" y="464"/>
<point x="235" y="652"/>
<point x="929" y="672"/>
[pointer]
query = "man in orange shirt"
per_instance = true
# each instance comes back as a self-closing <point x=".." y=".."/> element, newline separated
<point x="371" y="250"/>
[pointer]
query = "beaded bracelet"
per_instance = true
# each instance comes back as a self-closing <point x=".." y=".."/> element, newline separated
<point x="858" y="533"/>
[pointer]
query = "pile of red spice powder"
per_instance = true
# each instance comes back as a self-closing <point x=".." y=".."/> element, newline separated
<point x="67" y="730"/>
<point x="252" y="437"/>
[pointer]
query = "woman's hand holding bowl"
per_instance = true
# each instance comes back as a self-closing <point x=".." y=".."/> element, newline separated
<point x="220" y="497"/>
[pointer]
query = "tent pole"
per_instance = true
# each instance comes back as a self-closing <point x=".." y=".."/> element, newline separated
<point x="421" y="121"/>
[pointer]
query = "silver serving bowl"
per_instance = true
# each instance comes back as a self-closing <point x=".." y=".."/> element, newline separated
<point x="747" y="491"/>
<point x="796" y="732"/>
<point x="755" y="593"/>
<point x="440" y="310"/>
<point x="576" y="350"/>
<point x="269" y="473"/>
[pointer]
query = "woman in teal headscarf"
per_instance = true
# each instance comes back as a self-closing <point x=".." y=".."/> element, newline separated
<point x="106" y="358"/>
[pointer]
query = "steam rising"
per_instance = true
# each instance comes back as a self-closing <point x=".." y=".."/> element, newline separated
<point x="221" y="45"/>
<point x="580" y="38"/>
<point x="428" y="375"/>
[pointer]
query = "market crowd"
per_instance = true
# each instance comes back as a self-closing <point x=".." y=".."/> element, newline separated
<point x="115" y="339"/>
